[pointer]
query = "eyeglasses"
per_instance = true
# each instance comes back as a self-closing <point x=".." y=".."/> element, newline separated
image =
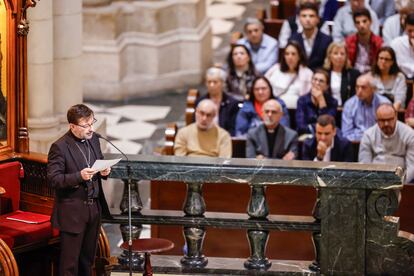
<point x="85" y="126"/>
<point x="266" y="111"/>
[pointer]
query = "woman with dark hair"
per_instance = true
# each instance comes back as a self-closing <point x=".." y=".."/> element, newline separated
<point x="290" y="78"/>
<point x="343" y="76"/>
<point x="318" y="102"/>
<point x="241" y="72"/>
<point x="388" y="78"/>
<point x="250" y="115"/>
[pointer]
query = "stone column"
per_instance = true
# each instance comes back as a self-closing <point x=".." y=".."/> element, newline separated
<point x="67" y="51"/>
<point x="43" y="125"/>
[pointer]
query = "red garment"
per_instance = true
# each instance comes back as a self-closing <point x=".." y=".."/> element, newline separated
<point x="258" y="108"/>
<point x="352" y="45"/>
<point x="409" y="112"/>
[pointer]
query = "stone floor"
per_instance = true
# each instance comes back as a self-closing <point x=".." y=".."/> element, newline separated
<point x="138" y="126"/>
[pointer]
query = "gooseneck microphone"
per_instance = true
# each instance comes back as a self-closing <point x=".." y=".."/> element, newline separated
<point x="129" y="199"/>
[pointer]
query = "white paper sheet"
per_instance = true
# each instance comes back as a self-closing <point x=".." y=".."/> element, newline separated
<point x="102" y="164"/>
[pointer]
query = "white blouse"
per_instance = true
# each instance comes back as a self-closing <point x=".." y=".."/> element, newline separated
<point x="336" y="79"/>
<point x="300" y="84"/>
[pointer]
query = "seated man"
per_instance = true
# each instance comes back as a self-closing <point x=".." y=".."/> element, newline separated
<point x="344" y="23"/>
<point x="363" y="46"/>
<point x="389" y="142"/>
<point x="263" y="48"/>
<point x="327" y="145"/>
<point x="227" y="105"/>
<point x="394" y="25"/>
<point x="271" y="139"/>
<point x="204" y="137"/>
<point x="313" y="41"/>
<point x="359" y="111"/>
<point x="404" y="48"/>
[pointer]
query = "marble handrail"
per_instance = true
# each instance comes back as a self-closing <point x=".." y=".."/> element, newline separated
<point x="353" y="229"/>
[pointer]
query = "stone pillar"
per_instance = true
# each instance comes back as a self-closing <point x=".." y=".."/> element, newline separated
<point x="142" y="47"/>
<point x="67" y="51"/>
<point x="43" y="125"/>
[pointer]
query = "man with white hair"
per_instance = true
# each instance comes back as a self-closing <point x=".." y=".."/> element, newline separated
<point x="263" y="48"/>
<point x="226" y="104"/>
<point x="359" y="110"/>
<point x="204" y="137"/>
<point x="389" y="141"/>
<point x="271" y="139"/>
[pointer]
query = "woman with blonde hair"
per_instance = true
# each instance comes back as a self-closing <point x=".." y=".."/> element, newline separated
<point x="343" y="76"/>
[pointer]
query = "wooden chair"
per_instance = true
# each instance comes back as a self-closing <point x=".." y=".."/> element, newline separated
<point x="191" y="99"/>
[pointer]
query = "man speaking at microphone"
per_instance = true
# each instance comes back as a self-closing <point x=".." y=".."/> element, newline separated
<point x="79" y="200"/>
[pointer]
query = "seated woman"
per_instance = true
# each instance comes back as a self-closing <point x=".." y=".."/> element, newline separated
<point x="319" y="101"/>
<point x="227" y="106"/>
<point x="388" y="77"/>
<point x="343" y="76"/>
<point x="250" y="115"/>
<point x="240" y="72"/>
<point x="290" y="78"/>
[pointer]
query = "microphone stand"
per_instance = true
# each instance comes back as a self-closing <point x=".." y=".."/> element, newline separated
<point x="129" y="200"/>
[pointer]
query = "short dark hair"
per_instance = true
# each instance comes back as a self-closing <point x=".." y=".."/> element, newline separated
<point x="309" y="6"/>
<point x="251" y="92"/>
<point x="409" y="20"/>
<point x="394" y="67"/>
<point x="326" y="119"/>
<point x="302" y="57"/>
<point x="77" y="112"/>
<point x="361" y="12"/>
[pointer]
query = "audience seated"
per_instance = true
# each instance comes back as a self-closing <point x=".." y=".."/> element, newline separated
<point x="271" y="139"/>
<point x="319" y="101"/>
<point x="382" y="8"/>
<point x="204" y="137"/>
<point x="263" y="48"/>
<point x="364" y="45"/>
<point x="312" y="40"/>
<point x="241" y="72"/>
<point x="344" y="22"/>
<point x="388" y="142"/>
<point x="343" y="76"/>
<point x="250" y="115"/>
<point x="290" y="78"/>
<point x="227" y="105"/>
<point x="359" y="111"/>
<point x="327" y="145"/>
<point x="404" y="49"/>
<point x="389" y="80"/>
<point x="394" y="25"/>
<point x="292" y="25"/>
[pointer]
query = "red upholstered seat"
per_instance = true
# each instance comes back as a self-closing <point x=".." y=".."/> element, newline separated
<point x="16" y="233"/>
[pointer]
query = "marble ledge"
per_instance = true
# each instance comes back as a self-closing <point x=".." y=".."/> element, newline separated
<point x="225" y="266"/>
<point x="260" y="172"/>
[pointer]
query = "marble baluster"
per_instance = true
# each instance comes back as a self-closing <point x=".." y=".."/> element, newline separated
<point x="194" y="206"/>
<point x="136" y="207"/>
<point x="316" y="236"/>
<point x="257" y="209"/>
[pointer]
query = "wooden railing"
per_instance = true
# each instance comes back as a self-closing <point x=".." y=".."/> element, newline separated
<point x="353" y="229"/>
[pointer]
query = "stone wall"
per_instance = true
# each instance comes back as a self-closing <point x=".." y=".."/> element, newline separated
<point x="134" y="48"/>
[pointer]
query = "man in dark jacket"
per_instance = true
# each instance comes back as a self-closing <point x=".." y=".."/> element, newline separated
<point x="327" y="145"/>
<point x="313" y="41"/>
<point x="79" y="199"/>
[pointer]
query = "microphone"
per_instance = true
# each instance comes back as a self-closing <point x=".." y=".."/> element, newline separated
<point x="112" y="144"/>
<point x="129" y="200"/>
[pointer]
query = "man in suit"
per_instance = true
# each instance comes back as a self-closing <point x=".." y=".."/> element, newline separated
<point x="79" y="199"/>
<point x="271" y="139"/>
<point x="313" y="41"/>
<point x="327" y="145"/>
